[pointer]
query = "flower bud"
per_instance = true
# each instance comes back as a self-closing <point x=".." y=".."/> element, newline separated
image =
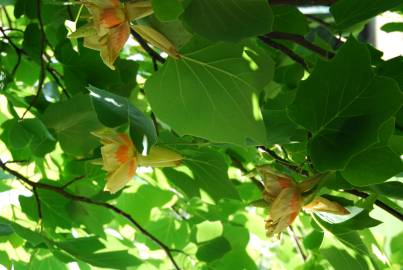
<point x="156" y="39"/>
<point x="321" y="204"/>
<point x="160" y="157"/>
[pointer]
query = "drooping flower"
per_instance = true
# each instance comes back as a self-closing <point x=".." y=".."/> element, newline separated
<point x="120" y="158"/>
<point x="285" y="198"/>
<point x="109" y="27"/>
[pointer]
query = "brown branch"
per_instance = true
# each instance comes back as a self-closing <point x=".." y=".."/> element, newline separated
<point x="297" y="243"/>
<point x="301" y="41"/>
<point x="378" y="203"/>
<point x="287" y="51"/>
<point x="153" y="54"/>
<point x="62" y="192"/>
<point x="7" y="17"/>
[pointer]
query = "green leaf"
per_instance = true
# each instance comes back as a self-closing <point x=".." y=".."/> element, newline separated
<point x="167" y="10"/>
<point x="140" y="203"/>
<point x="313" y="240"/>
<point x="6" y="229"/>
<point x="211" y="85"/>
<point x="33" y="237"/>
<point x="393" y="27"/>
<point x="32" y="42"/>
<point x="228" y="20"/>
<point x="340" y="105"/>
<point x="112" y="259"/>
<point x="347" y="237"/>
<point x="85" y="68"/>
<point x="53" y="207"/>
<point x="210" y="172"/>
<point x="213" y="249"/>
<point x="348" y="13"/>
<point x="392" y="189"/>
<point x="25" y="7"/>
<point x="73" y="120"/>
<point x="171" y="232"/>
<point x="113" y="111"/>
<point x="341" y="259"/>
<point x="28" y="135"/>
<point x="279" y="128"/>
<point x="43" y="259"/>
<point x="289" y="19"/>
<point x="365" y="169"/>
<point x="392" y="68"/>
<point x="82" y="245"/>
<point x="91" y="216"/>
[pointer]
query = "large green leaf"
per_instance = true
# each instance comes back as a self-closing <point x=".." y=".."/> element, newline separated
<point x="342" y="105"/>
<point x="228" y="20"/>
<point x="167" y="10"/>
<point x="73" y="120"/>
<point x="392" y="189"/>
<point x="114" y="110"/>
<point x="210" y="86"/>
<point x="209" y="169"/>
<point x="366" y="169"/>
<point x="29" y="136"/>
<point x="86" y="67"/>
<point x="348" y="13"/>
<point x="43" y="259"/>
<point x="289" y="19"/>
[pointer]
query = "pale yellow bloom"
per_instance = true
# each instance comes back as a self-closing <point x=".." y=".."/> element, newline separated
<point x="109" y="28"/>
<point x="120" y="158"/>
<point x="286" y="200"/>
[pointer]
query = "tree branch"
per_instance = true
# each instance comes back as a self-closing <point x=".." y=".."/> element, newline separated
<point x="301" y="41"/>
<point x="378" y="203"/>
<point x="62" y="192"/>
<point x="287" y="51"/>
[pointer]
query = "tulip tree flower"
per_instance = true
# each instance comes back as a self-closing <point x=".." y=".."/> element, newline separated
<point x="109" y="28"/>
<point x="285" y="198"/>
<point x="120" y="158"/>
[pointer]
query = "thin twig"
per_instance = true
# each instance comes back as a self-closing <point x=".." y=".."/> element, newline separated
<point x="284" y="49"/>
<point x="153" y="54"/>
<point x="298" y="246"/>
<point x="7" y="17"/>
<point x="379" y="203"/>
<point x="301" y="41"/>
<point x="87" y="200"/>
